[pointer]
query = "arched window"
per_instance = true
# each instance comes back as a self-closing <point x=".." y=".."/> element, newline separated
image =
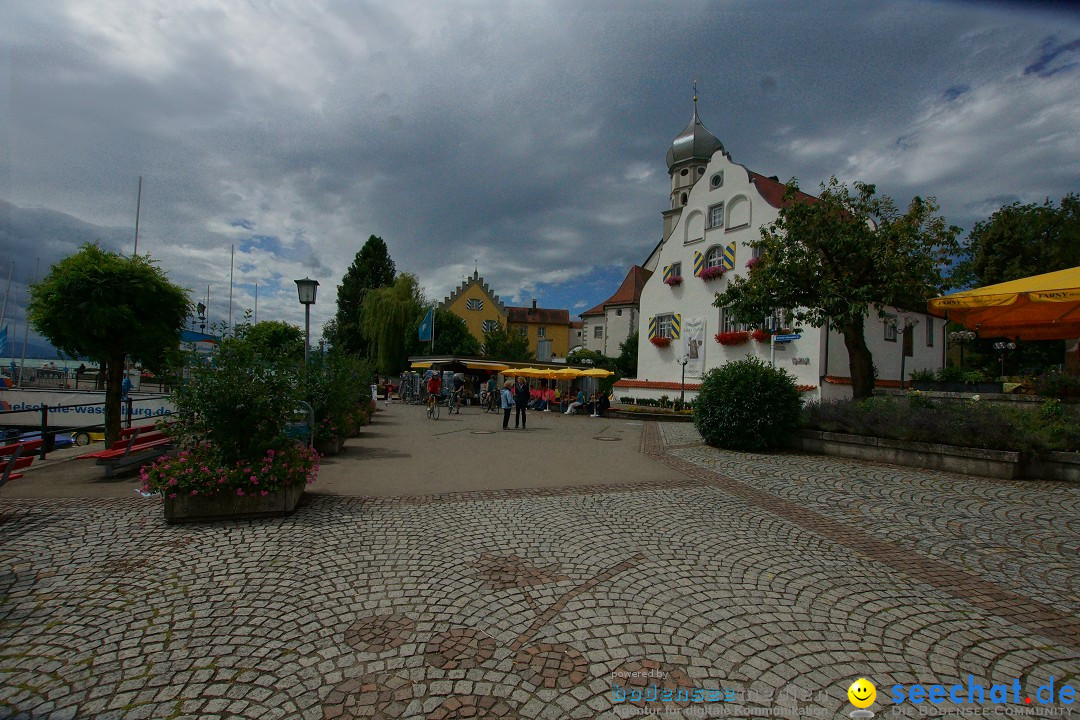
<point x="738" y="209"/>
<point x="682" y="199"/>
<point x="714" y="257"/>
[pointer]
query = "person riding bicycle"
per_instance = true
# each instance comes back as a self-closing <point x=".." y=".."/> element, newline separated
<point x="459" y="389"/>
<point x="434" y="387"/>
<point x="492" y="394"/>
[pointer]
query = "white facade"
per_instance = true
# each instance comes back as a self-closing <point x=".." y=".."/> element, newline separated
<point x="720" y="214"/>
<point x="605" y="332"/>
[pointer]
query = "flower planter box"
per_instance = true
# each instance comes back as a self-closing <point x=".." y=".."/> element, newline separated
<point x="661" y="342"/>
<point x="197" y="508"/>
<point x="329" y="446"/>
<point x="957" y="387"/>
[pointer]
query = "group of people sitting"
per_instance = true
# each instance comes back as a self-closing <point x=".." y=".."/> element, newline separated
<point x="597" y="404"/>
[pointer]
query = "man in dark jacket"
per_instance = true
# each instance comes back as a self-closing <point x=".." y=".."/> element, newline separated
<point x="521" y="401"/>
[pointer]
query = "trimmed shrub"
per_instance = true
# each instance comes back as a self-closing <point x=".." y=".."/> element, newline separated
<point x="747" y="405"/>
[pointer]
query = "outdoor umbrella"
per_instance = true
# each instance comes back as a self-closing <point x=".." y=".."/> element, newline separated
<point x="1041" y="307"/>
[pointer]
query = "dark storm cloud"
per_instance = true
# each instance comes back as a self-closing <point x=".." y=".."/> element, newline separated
<point x="526" y="140"/>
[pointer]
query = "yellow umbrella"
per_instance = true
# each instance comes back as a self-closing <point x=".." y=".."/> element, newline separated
<point x="596" y="373"/>
<point x="566" y="374"/>
<point x="1041" y="307"/>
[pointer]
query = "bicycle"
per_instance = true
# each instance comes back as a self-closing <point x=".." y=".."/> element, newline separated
<point x="453" y="403"/>
<point x="433" y="407"/>
<point x="488" y="401"/>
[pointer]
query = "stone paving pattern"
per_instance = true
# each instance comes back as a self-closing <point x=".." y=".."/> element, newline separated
<point x="781" y="577"/>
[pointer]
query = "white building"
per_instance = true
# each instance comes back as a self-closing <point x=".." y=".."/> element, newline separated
<point x="717" y="208"/>
<point x="606" y="326"/>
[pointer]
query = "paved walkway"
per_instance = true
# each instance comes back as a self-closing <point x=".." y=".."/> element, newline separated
<point x="776" y="579"/>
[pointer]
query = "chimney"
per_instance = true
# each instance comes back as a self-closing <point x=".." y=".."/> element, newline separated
<point x="534" y="305"/>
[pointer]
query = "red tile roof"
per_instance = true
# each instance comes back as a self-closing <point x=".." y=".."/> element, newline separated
<point x="773" y="190"/>
<point x="629" y="293"/>
<point x="842" y="380"/>
<point x="546" y="316"/>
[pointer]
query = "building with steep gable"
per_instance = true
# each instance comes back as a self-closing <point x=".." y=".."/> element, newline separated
<point x="716" y="209"/>
<point x="475" y="303"/>
<point x="607" y="326"/>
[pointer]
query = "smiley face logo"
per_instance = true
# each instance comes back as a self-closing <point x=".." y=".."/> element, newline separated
<point x="862" y="693"/>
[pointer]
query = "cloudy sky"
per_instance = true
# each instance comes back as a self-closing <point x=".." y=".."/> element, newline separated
<point x="523" y="138"/>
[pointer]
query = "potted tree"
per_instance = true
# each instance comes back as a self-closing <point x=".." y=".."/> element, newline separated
<point x="235" y="457"/>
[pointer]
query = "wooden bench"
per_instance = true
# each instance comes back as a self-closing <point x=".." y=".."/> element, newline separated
<point x="17" y="456"/>
<point x="135" y="446"/>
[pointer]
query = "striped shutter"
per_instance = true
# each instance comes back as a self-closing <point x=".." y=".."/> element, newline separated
<point x="667" y="272"/>
<point x="676" y="326"/>
<point x="729" y="256"/>
<point x="699" y="263"/>
<point x="652" y="327"/>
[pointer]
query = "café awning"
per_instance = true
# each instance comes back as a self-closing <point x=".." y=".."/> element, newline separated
<point x="1041" y="307"/>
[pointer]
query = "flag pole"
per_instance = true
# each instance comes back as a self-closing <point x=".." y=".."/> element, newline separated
<point x="432" y="330"/>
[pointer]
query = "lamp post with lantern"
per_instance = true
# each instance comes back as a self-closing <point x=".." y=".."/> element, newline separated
<point x="963" y="337"/>
<point x="306" y="289"/>
<point x="1003" y="347"/>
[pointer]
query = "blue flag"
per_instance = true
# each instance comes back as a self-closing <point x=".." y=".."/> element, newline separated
<point x="426" y="325"/>
<point x="3" y="341"/>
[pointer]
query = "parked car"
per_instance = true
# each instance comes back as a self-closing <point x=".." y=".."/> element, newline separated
<point x="85" y="437"/>
<point x="60" y="440"/>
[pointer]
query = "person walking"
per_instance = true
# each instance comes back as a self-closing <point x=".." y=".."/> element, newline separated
<point x="507" y="403"/>
<point x="521" y="402"/>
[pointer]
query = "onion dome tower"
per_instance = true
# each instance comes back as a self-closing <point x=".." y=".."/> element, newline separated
<point x="689" y="154"/>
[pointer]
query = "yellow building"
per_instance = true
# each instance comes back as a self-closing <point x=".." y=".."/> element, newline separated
<point x="480" y="308"/>
<point x="548" y="330"/>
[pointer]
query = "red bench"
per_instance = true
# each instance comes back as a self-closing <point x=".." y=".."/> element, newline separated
<point x="17" y="456"/>
<point x="135" y="446"/>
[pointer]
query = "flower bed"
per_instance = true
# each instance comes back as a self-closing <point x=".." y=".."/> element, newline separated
<point x="674" y="280"/>
<point x="733" y="338"/>
<point x="711" y="273"/>
<point x="660" y="342"/>
<point x="198" y="472"/>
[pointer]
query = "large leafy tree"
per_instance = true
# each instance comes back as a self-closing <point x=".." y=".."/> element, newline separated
<point x="1018" y="241"/>
<point x="452" y="336"/>
<point x="836" y="258"/>
<point x="501" y="344"/>
<point x="386" y="316"/>
<point x="108" y="307"/>
<point x="371" y="268"/>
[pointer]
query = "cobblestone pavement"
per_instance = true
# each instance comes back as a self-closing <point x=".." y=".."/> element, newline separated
<point x="776" y="578"/>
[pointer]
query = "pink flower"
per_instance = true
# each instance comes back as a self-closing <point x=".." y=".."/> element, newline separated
<point x="240" y="491"/>
<point x="265" y="493"/>
<point x="172" y="495"/>
<point x="194" y="492"/>
<point x="172" y="481"/>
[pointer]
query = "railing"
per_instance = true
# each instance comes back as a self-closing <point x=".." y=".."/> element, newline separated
<point x="48" y="433"/>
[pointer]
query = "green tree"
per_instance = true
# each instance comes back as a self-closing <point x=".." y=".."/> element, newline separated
<point x="1018" y="241"/>
<point x="835" y="258"/>
<point x="371" y="268"/>
<point x="500" y="344"/>
<point x="108" y="307"/>
<point x="386" y="316"/>
<point x="452" y="336"/>
<point x="626" y="363"/>
<point x="274" y="339"/>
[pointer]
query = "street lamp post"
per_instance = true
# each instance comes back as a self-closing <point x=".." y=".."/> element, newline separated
<point x="306" y="289"/>
<point x="1002" y="347"/>
<point x="962" y="336"/>
<point x="682" y="386"/>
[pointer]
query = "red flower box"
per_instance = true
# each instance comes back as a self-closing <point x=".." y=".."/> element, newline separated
<point x="674" y="280"/>
<point x="752" y="262"/>
<point x="660" y="341"/>
<point x="711" y="273"/>
<point x="762" y="336"/>
<point x="732" y="338"/>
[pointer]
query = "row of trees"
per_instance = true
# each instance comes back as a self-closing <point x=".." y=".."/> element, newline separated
<point x="834" y="259"/>
<point x="379" y="314"/>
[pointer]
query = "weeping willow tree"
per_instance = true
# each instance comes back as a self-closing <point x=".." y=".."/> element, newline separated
<point x="386" y="315"/>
